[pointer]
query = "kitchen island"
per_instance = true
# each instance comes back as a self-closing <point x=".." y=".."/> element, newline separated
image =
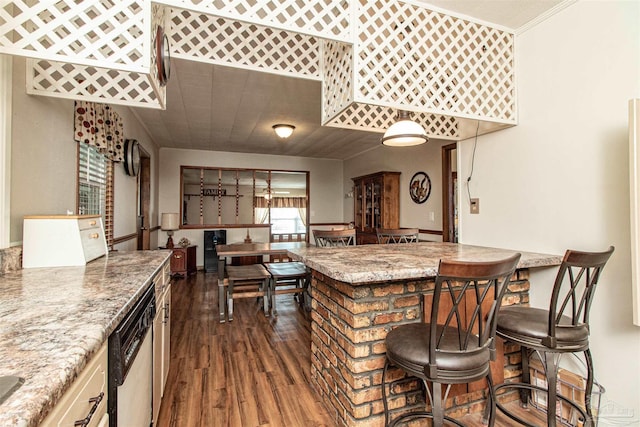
<point x="54" y="320"/>
<point x="359" y="294"/>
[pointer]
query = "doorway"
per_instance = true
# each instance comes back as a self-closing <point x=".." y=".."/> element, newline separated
<point x="449" y="193"/>
<point x="144" y="201"/>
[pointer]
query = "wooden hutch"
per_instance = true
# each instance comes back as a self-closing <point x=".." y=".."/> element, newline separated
<point x="376" y="204"/>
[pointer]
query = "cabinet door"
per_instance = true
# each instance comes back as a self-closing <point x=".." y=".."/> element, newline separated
<point x="358" y="208"/>
<point x="157" y="363"/>
<point x="178" y="261"/>
<point x="87" y="393"/>
<point x="166" y="336"/>
<point x="376" y="203"/>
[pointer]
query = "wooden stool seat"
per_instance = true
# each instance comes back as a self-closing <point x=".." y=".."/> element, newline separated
<point x="286" y="274"/>
<point x="246" y="281"/>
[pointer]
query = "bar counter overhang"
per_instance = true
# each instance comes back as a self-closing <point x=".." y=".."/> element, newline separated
<point x="360" y="293"/>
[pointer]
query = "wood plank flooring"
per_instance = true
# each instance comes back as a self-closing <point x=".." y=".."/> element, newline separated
<point x="254" y="371"/>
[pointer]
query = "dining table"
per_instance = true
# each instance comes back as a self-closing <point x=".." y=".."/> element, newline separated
<point x="247" y="249"/>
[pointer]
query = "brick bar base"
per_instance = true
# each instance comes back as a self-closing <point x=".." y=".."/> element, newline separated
<point x="348" y="327"/>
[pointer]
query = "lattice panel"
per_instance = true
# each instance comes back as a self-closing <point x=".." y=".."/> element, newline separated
<point x="375" y="118"/>
<point x="409" y="56"/>
<point x="101" y="33"/>
<point x="322" y="18"/>
<point x="64" y="80"/>
<point x="223" y="41"/>
<point x="337" y="85"/>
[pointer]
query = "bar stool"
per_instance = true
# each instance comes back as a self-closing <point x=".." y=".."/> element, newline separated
<point x="287" y="278"/>
<point x="346" y="237"/>
<point x="563" y="328"/>
<point x="247" y="281"/>
<point x="397" y="235"/>
<point x="456" y="344"/>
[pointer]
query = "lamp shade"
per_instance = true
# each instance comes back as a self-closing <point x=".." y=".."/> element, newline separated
<point x="170" y="221"/>
<point x="404" y="132"/>
<point x="283" y="130"/>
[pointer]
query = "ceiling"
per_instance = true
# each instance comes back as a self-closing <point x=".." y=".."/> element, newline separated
<point x="212" y="107"/>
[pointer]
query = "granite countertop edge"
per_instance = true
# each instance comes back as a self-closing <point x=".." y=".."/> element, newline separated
<point x="360" y="265"/>
<point x="55" y="319"/>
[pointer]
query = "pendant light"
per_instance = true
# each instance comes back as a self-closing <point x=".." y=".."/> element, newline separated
<point x="404" y="132"/>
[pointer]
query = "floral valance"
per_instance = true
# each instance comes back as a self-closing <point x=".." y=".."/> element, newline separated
<point x="281" y="202"/>
<point x="99" y="126"/>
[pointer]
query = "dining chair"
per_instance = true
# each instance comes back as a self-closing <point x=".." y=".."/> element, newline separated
<point x="346" y="237"/>
<point x="562" y="328"/>
<point x="397" y="235"/>
<point x="457" y="342"/>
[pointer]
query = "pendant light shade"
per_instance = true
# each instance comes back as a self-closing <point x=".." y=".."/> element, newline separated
<point x="404" y="132"/>
<point x="283" y="130"/>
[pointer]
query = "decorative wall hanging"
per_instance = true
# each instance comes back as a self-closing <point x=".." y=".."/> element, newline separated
<point x="420" y="187"/>
<point x="131" y="157"/>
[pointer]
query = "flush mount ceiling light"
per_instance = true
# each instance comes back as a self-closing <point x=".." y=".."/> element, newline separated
<point x="283" y="131"/>
<point x="404" y="132"/>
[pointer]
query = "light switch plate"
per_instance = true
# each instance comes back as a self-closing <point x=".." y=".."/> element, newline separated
<point x="475" y="206"/>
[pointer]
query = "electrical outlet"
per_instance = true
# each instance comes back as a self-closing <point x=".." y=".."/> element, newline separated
<point x="475" y="206"/>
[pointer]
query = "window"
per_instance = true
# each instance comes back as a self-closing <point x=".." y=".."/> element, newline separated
<point x="286" y="220"/>
<point x="95" y="186"/>
<point x="92" y="181"/>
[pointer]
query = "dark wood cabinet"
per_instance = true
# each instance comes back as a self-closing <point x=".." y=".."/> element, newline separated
<point x="183" y="261"/>
<point x="376" y="204"/>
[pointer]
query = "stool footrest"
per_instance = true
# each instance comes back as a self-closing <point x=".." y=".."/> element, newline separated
<point x="532" y="387"/>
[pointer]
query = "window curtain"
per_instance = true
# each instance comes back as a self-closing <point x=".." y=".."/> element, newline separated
<point x="287" y="202"/>
<point x="262" y="215"/>
<point x="303" y="215"/>
<point x="262" y="207"/>
<point x="101" y="127"/>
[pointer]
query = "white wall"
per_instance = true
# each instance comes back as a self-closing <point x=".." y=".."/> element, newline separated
<point x="407" y="160"/>
<point x="44" y="162"/>
<point x="326" y="193"/>
<point x="559" y="179"/>
<point x="43" y="154"/>
<point x="125" y="187"/>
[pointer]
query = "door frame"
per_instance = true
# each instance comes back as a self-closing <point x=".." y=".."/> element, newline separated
<point x="143" y="221"/>
<point x="448" y="194"/>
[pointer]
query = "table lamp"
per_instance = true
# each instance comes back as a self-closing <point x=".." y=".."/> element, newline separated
<point x="169" y="223"/>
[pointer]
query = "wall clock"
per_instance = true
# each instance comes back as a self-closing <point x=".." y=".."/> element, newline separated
<point x="420" y="187"/>
<point x="163" y="56"/>
<point x="131" y="157"/>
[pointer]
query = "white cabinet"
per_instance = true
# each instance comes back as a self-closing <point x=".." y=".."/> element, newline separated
<point x="85" y="403"/>
<point x="161" y="337"/>
<point x="62" y="240"/>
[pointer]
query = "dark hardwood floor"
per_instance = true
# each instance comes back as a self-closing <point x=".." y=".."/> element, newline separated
<point x="251" y="372"/>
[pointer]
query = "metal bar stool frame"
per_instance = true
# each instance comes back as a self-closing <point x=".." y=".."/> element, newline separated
<point x="562" y="329"/>
<point x="326" y="238"/>
<point x="455" y="345"/>
<point x="397" y="235"/>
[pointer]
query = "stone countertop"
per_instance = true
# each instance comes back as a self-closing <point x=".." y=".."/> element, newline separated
<point x="53" y="320"/>
<point x="378" y="263"/>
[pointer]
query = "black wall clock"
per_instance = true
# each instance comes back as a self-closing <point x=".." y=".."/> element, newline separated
<point x="131" y="157"/>
<point x="420" y="187"/>
<point x="163" y="56"/>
